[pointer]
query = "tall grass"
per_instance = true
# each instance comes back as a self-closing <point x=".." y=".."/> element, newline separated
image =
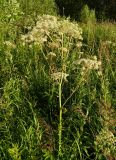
<point x="57" y="86"/>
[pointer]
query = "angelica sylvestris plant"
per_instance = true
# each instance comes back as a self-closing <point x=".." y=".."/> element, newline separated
<point x="57" y="38"/>
<point x="60" y="43"/>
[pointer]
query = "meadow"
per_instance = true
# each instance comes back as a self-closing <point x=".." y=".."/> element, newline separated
<point x="57" y="85"/>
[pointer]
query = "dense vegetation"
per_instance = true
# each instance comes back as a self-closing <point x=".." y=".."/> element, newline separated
<point x="57" y="83"/>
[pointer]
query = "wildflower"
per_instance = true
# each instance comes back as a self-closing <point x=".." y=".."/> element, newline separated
<point x="99" y="73"/>
<point x="70" y="29"/>
<point x="65" y="50"/>
<point x="95" y="58"/>
<point x="53" y="45"/>
<point x="51" y="56"/>
<point x="51" y="28"/>
<point x="64" y="68"/>
<point x="35" y="30"/>
<point x="79" y="45"/>
<point x="30" y="46"/>
<point x="23" y="44"/>
<point x="9" y="44"/>
<point x="92" y="64"/>
<point x="58" y="40"/>
<point x="99" y="63"/>
<point x="23" y="37"/>
<point x="80" y="53"/>
<point x="43" y="39"/>
<point x="114" y="44"/>
<point x="108" y="42"/>
<point x="80" y="36"/>
<point x="58" y="76"/>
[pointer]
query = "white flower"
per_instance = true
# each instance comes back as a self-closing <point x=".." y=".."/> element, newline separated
<point x="9" y="44"/>
<point x="79" y="45"/>
<point x="53" y="45"/>
<point x="51" y="56"/>
<point x="58" y="76"/>
<point x="99" y="73"/>
<point x="108" y="42"/>
<point x="64" y="49"/>
<point x="95" y="58"/>
<point x="99" y="63"/>
<point x="90" y="64"/>
<point x="50" y="27"/>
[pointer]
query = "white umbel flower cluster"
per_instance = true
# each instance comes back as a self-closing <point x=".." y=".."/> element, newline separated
<point x="58" y="76"/>
<point x="70" y="29"/>
<point x="47" y="22"/>
<point x="89" y="63"/>
<point x="49" y="26"/>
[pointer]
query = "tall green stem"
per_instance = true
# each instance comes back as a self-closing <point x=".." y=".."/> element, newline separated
<point x="60" y="119"/>
<point x="60" y="108"/>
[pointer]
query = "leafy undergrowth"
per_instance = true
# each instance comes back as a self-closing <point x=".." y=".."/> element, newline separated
<point x="57" y="88"/>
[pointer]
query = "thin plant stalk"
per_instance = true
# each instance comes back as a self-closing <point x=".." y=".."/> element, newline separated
<point x="60" y="108"/>
<point x="60" y="119"/>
